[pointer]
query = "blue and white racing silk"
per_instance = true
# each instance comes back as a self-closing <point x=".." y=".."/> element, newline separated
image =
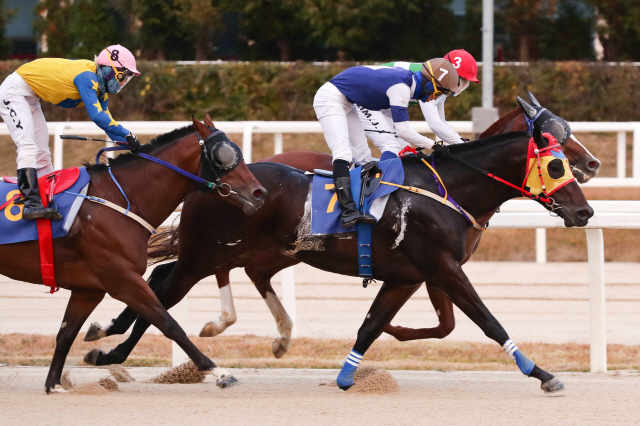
<point x="379" y="88"/>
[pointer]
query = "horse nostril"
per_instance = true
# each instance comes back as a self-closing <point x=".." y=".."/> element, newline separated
<point x="585" y="213"/>
<point x="593" y="165"/>
<point x="259" y="194"/>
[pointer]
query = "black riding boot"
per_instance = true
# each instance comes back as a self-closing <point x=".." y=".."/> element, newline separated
<point x="349" y="215"/>
<point x="33" y="208"/>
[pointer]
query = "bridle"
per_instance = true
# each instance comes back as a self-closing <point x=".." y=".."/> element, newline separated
<point x="551" y="204"/>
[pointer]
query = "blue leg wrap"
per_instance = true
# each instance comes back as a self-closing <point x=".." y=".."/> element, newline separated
<point x="345" y="377"/>
<point x="524" y="364"/>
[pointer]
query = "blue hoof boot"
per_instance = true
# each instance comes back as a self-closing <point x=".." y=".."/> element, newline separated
<point x="345" y="378"/>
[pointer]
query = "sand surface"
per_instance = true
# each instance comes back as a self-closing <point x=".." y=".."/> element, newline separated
<point x="306" y="397"/>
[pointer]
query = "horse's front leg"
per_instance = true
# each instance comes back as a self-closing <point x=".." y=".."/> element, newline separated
<point x="80" y="306"/>
<point x="228" y="315"/>
<point x="387" y="303"/>
<point x="127" y="317"/>
<point x="450" y="279"/>
<point x="444" y="309"/>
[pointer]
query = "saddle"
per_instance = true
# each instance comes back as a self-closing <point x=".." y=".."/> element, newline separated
<point x="53" y="183"/>
<point x="370" y="174"/>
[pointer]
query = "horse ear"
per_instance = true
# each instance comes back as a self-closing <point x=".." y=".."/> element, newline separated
<point x="533" y="100"/>
<point x="528" y="109"/>
<point x="201" y="128"/>
<point x="208" y="121"/>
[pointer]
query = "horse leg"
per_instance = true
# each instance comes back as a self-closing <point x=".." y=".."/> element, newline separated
<point x="444" y="309"/>
<point x="80" y="306"/>
<point x="456" y="285"/>
<point x="121" y="324"/>
<point x="152" y="312"/>
<point x="228" y="315"/>
<point x="387" y="303"/>
<point x="262" y="280"/>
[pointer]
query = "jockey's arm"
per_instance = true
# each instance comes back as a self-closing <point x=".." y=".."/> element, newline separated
<point x="87" y="85"/>
<point x="399" y="96"/>
<point x="434" y="115"/>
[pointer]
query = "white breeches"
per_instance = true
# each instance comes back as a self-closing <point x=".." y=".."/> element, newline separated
<point x="340" y="124"/>
<point x="22" y="113"/>
<point x="379" y="127"/>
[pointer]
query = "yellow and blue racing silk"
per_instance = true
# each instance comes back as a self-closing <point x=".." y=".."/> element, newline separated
<point x="71" y="84"/>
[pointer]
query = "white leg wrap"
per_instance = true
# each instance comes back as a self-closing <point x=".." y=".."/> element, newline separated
<point x="354" y="358"/>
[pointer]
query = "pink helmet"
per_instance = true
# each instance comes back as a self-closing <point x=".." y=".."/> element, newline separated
<point x="118" y="56"/>
<point x="464" y="63"/>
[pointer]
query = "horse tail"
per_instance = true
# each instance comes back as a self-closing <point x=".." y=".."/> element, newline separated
<point x="163" y="246"/>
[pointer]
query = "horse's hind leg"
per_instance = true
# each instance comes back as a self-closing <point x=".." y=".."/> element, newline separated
<point x="121" y="324"/>
<point x="80" y="306"/>
<point x="452" y="280"/>
<point x="262" y="280"/>
<point x="387" y="303"/>
<point x="444" y="309"/>
<point x="228" y="315"/>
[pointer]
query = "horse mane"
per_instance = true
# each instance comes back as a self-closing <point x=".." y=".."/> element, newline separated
<point x="155" y="144"/>
<point x="485" y="142"/>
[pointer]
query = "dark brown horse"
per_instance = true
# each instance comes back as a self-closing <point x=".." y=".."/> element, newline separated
<point x="431" y="248"/>
<point x="262" y="266"/>
<point x="106" y="252"/>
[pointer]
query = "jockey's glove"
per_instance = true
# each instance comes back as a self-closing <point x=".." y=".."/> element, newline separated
<point x="465" y="140"/>
<point x="134" y="143"/>
<point x="440" y="148"/>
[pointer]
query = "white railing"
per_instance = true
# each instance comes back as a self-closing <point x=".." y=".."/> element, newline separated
<point x="520" y="214"/>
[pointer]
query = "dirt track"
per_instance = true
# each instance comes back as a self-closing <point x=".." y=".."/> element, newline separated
<point x="302" y="397"/>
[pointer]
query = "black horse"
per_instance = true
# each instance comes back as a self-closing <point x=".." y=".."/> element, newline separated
<point x="431" y="247"/>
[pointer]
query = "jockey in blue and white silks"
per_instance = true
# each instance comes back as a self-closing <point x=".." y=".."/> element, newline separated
<point x="375" y="88"/>
<point x="379" y="125"/>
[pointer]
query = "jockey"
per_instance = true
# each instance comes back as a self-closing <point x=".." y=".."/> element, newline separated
<point x="374" y="88"/>
<point x="68" y="84"/>
<point x="379" y="125"/>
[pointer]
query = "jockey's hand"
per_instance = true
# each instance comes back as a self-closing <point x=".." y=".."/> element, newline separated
<point x="440" y="148"/>
<point x="465" y="140"/>
<point x="134" y="143"/>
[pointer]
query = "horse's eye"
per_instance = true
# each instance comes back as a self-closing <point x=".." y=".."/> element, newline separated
<point x="555" y="169"/>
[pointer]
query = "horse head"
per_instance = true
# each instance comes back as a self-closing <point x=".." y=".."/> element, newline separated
<point x="549" y="176"/>
<point x="583" y="164"/>
<point x="222" y="162"/>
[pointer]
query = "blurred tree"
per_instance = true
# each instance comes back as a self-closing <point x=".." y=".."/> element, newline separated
<point x="619" y="29"/>
<point x="92" y="27"/>
<point x="568" y="35"/>
<point x="5" y="17"/>
<point x="523" y="20"/>
<point x="201" y="20"/>
<point x="282" y="22"/>
<point x="53" y="27"/>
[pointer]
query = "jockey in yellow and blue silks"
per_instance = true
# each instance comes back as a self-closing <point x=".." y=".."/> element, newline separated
<point x="68" y="84"/>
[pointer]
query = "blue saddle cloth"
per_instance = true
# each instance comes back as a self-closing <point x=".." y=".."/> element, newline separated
<point x="14" y="229"/>
<point x="325" y="213"/>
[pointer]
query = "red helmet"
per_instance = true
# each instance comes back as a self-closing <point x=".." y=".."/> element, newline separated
<point x="464" y="63"/>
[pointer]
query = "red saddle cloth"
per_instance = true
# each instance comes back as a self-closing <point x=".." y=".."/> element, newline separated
<point x="50" y="185"/>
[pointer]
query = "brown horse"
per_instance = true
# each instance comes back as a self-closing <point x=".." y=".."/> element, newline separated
<point x="106" y="252"/>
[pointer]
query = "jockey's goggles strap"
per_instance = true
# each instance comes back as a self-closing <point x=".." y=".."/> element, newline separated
<point x="436" y="89"/>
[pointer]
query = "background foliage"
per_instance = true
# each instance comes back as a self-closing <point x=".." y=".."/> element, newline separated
<point x="274" y="91"/>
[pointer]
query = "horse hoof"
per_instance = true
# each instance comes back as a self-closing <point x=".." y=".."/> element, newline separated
<point x="552" y="386"/>
<point x="227" y="382"/>
<point x="56" y="389"/>
<point x="95" y="332"/>
<point x="91" y="357"/>
<point x="210" y="330"/>
<point x="278" y="349"/>
<point x="345" y="387"/>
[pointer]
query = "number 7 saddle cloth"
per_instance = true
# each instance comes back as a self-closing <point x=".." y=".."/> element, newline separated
<point x="325" y="213"/>
<point x="14" y="229"/>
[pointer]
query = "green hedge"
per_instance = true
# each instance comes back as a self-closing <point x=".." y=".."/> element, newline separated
<point x="270" y="91"/>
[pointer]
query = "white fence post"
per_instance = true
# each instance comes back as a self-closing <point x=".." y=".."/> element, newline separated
<point x="636" y="151"/>
<point x="278" y="144"/>
<point x="247" y="141"/>
<point x="58" y="147"/>
<point x="541" y="245"/>
<point x="289" y="297"/>
<point x="179" y="313"/>
<point x="595" y="246"/>
<point x="622" y="154"/>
